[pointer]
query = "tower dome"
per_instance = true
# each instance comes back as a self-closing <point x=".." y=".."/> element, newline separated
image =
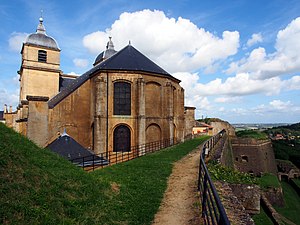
<point x="110" y="51"/>
<point x="40" y="38"/>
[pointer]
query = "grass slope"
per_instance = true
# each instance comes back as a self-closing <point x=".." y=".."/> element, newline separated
<point x="39" y="187"/>
<point x="262" y="218"/>
<point x="292" y="204"/>
<point x="269" y="180"/>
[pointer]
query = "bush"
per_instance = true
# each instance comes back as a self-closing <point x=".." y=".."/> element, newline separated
<point x="219" y="172"/>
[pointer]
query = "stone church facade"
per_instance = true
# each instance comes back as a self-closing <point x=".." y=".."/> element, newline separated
<point x="125" y="100"/>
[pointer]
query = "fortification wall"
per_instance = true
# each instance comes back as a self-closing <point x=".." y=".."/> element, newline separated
<point x="220" y="125"/>
<point x="253" y="156"/>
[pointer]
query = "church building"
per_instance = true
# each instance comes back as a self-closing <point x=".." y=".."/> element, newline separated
<point x="124" y="100"/>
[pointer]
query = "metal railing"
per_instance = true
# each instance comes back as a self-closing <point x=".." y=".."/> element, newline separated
<point x="93" y="161"/>
<point x="212" y="209"/>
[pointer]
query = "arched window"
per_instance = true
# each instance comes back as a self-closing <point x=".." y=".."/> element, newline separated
<point x="122" y="98"/>
<point x="122" y="139"/>
<point x="42" y="56"/>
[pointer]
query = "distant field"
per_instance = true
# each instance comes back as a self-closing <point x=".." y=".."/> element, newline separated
<point x="256" y="126"/>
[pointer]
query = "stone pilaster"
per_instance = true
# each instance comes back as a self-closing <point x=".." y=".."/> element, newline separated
<point x="141" y="111"/>
<point x="100" y="118"/>
<point x="170" y="110"/>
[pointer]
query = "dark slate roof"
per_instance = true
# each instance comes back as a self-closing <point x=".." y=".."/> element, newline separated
<point x="64" y="82"/>
<point x="1" y="115"/>
<point x="127" y="59"/>
<point x="131" y="59"/>
<point x="68" y="148"/>
<point x="99" y="58"/>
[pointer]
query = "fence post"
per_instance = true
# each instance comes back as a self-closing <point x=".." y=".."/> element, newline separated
<point x="204" y="195"/>
<point x="93" y="162"/>
<point x="200" y="170"/>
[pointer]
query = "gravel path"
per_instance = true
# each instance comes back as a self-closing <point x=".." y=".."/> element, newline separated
<point x="179" y="205"/>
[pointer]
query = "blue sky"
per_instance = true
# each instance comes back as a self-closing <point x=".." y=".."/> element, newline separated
<point x="239" y="60"/>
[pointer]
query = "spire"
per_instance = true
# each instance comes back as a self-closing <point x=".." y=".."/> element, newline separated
<point x="40" y="28"/>
<point x="64" y="133"/>
<point x="110" y="44"/>
<point x="110" y="49"/>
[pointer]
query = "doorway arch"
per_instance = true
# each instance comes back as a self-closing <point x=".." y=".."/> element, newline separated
<point x="122" y="138"/>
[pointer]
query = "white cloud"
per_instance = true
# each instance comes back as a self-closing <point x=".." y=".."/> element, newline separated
<point x="275" y="107"/>
<point x="292" y="84"/>
<point x="232" y="89"/>
<point x="95" y="42"/>
<point x="73" y="73"/>
<point x="82" y="63"/>
<point x="175" y="44"/>
<point x="9" y="98"/>
<point x="280" y="105"/>
<point x="255" y="38"/>
<point x="16" y="40"/>
<point x="239" y="85"/>
<point x="286" y="58"/>
<point x="229" y="99"/>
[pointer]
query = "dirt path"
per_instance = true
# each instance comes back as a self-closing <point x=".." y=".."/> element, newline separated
<point x="179" y="205"/>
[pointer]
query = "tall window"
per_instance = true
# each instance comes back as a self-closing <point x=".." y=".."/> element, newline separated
<point x="42" y="56"/>
<point x="122" y="139"/>
<point x="122" y="98"/>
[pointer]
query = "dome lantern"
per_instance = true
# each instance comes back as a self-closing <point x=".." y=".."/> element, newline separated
<point x="40" y="38"/>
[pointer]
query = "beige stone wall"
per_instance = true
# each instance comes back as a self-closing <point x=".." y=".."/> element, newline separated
<point x="73" y="114"/>
<point x="37" y="124"/>
<point x="154" y="97"/>
<point x="10" y="119"/>
<point x="38" y="83"/>
<point x="189" y="116"/>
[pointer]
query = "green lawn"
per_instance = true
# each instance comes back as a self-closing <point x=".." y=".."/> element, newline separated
<point x="291" y="210"/>
<point x="269" y="180"/>
<point x="297" y="182"/>
<point x="39" y="187"/>
<point x="262" y="218"/>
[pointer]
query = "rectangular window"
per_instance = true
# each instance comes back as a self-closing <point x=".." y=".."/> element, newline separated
<point x="122" y="98"/>
<point x="42" y="56"/>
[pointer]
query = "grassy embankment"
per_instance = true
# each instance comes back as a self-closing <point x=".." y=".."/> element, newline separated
<point x="39" y="187"/>
<point x="262" y="218"/>
<point x="292" y="203"/>
<point x="297" y="182"/>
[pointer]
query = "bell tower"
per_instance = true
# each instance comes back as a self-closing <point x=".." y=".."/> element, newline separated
<point x="40" y="68"/>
